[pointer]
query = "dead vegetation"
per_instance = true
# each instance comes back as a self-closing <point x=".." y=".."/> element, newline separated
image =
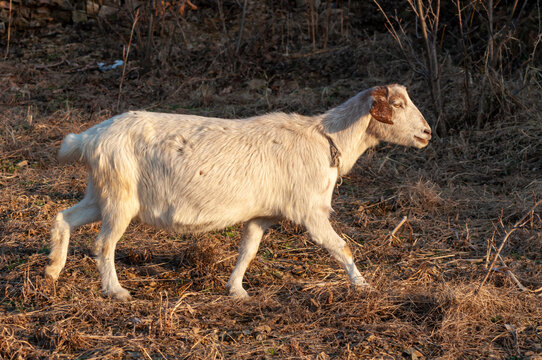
<point x="460" y="196"/>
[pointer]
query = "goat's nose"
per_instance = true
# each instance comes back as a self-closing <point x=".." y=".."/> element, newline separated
<point x="427" y="131"/>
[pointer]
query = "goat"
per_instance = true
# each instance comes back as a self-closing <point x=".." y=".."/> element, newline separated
<point x="195" y="174"/>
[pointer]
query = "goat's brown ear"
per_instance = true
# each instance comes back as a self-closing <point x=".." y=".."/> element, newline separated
<point x="381" y="109"/>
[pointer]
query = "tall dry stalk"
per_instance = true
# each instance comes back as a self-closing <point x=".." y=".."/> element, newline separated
<point x="466" y="60"/>
<point x="125" y="53"/>
<point x="428" y="17"/>
<point x="241" y="27"/>
<point x="312" y="24"/>
<point x="9" y="29"/>
<point x="220" y="6"/>
<point x="347" y="19"/>
<point x="488" y="62"/>
<point x="147" y="54"/>
<point x="498" y="40"/>
<point x="328" y="13"/>
<point x="429" y="22"/>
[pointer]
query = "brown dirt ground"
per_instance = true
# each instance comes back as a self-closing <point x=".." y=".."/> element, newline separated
<point x="460" y="194"/>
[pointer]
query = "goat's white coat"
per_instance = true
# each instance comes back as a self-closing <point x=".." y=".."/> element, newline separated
<point x="194" y="174"/>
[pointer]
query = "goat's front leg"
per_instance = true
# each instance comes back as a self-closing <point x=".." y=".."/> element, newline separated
<point x="252" y="235"/>
<point x="323" y="234"/>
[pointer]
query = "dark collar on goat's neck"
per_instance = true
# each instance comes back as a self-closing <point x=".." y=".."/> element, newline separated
<point x="334" y="152"/>
<point x="335" y="156"/>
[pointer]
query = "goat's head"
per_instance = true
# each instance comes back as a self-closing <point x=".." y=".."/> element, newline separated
<point x="396" y="119"/>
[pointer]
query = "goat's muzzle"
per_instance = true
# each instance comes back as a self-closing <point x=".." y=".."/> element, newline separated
<point x="424" y="139"/>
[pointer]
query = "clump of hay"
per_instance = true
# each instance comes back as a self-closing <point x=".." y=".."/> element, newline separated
<point x="474" y="324"/>
<point x="420" y="197"/>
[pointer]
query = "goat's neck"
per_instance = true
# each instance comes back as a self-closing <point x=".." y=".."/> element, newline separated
<point x="347" y="126"/>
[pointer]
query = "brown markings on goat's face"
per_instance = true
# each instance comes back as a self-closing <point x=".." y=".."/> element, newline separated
<point x="381" y="109"/>
<point x="409" y="126"/>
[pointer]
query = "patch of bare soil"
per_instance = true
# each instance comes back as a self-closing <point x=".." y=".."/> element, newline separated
<point x="460" y="195"/>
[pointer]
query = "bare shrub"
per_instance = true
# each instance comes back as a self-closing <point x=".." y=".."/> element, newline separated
<point x="482" y="36"/>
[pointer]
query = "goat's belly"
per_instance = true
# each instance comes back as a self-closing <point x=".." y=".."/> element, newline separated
<point x="183" y="227"/>
<point x="189" y="220"/>
<point x="196" y="228"/>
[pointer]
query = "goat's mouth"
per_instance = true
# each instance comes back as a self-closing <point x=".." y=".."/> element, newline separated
<point x="421" y="140"/>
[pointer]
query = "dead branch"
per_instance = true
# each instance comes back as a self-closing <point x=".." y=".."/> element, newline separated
<point x="392" y="234"/>
<point x="507" y="235"/>
<point x="510" y="273"/>
<point x="432" y="60"/>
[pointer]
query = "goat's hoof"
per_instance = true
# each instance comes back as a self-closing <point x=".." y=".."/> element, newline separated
<point x="361" y="284"/>
<point x="363" y="287"/>
<point x="52" y="272"/>
<point x="120" y="294"/>
<point x="239" y="293"/>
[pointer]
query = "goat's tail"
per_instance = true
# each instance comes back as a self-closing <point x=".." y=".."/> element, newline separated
<point x="71" y="149"/>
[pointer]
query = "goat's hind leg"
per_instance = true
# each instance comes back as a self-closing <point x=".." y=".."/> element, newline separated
<point x="85" y="212"/>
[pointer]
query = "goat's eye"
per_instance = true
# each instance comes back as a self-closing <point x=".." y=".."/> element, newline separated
<point x="398" y="105"/>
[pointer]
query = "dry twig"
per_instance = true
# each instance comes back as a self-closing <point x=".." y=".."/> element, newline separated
<point x="510" y="273"/>
<point x="392" y="234"/>
<point x="497" y="255"/>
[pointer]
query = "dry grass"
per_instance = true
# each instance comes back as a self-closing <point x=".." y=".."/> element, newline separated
<point x="459" y="195"/>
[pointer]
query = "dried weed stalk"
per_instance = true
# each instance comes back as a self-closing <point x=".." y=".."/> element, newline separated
<point x="9" y="29"/>
<point x="428" y="16"/>
<point x="125" y="54"/>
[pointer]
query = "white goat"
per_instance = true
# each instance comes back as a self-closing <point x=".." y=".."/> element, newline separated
<point x="194" y="174"/>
